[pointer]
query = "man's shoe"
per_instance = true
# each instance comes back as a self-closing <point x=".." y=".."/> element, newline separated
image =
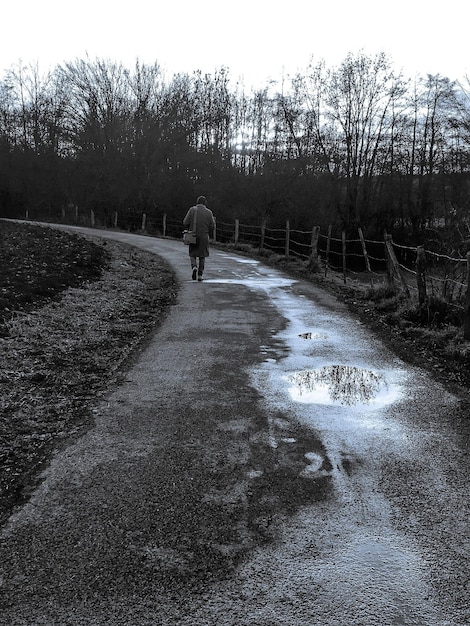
<point x="194" y="273"/>
<point x="200" y="278"/>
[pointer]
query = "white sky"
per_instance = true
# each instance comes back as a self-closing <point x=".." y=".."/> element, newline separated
<point x="256" y="39"/>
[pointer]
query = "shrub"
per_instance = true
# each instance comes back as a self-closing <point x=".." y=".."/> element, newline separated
<point x="435" y="313"/>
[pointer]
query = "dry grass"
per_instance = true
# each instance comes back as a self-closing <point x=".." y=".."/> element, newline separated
<point x="57" y="352"/>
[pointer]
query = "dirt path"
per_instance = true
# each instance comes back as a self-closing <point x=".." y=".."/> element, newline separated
<point x="209" y="493"/>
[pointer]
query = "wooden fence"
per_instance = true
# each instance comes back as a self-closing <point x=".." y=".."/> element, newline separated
<point x="410" y="269"/>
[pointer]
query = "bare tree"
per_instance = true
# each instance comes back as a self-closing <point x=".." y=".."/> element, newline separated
<point x="433" y="109"/>
<point x="360" y="100"/>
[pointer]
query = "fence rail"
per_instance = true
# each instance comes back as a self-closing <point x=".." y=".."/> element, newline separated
<point x="413" y="270"/>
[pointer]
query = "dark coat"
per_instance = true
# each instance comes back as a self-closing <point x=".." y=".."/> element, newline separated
<point x="204" y="220"/>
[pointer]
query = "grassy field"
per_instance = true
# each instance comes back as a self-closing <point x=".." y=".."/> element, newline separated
<point x="37" y="264"/>
<point x="72" y="311"/>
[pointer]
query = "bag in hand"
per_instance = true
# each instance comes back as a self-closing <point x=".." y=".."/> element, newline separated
<point x="189" y="237"/>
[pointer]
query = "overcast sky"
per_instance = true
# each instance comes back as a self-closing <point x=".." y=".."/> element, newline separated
<point x="256" y="39"/>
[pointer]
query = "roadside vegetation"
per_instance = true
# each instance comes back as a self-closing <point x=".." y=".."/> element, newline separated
<point x="38" y="264"/>
<point x="72" y="311"/>
<point x="429" y="335"/>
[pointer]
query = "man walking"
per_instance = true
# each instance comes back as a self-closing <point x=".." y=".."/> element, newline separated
<point x="201" y="220"/>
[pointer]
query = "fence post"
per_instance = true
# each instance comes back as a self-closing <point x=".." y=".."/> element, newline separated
<point x="364" y="249"/>
<point x="314" y="242"/>
<point x="237" y="232"/>
<point x="287" y="237"/>
<point x="366" y="256"/>
<point x="164" y="225"/>
<point x="215" y="229"/>
<point x="421" y="274"/>
<point x="343" y="243"/>
<point x="263" y="232"/>
<point x="115" y="223"/>
<point x="392" y="263"/>
<point x="92" y="218"/>
<point x="328" y="244"/>
<point x="313" y="262"/>
<point x="144" y="220"/>
<point x="466" y="328"/>
<point x="388" y="261"/>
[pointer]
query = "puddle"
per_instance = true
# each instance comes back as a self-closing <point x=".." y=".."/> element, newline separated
<point x="253" y="282"/>
<point x="311" y="335"/>
<point x="340" y="384"/>
<point x="337" y="381"/>
<point x="246" y="261"/>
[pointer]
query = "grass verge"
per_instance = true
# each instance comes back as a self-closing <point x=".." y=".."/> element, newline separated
<point x="65" y="335"/>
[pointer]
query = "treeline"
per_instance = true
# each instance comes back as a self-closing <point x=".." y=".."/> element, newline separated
<point x="352" y="145"/>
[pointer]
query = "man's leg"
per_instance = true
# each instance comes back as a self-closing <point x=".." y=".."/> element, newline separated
<point x="193" y="267"/>
<point x="202" y="263"/>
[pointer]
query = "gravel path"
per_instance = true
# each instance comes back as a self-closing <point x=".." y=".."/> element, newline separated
<point x="207" y="494"/>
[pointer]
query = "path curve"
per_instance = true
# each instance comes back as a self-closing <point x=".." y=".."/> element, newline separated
<point x="265" y="462"/>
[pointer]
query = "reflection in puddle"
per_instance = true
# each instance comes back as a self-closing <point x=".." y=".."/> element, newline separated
<point x="310" y="335"/>
<point x="343" y="384"/>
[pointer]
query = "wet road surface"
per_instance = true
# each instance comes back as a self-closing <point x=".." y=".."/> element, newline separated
<point x="265" y="462"/>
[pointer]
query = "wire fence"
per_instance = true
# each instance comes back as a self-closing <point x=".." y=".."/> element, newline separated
<point x="442" y="276"/>
<point x="416" y="271"/>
